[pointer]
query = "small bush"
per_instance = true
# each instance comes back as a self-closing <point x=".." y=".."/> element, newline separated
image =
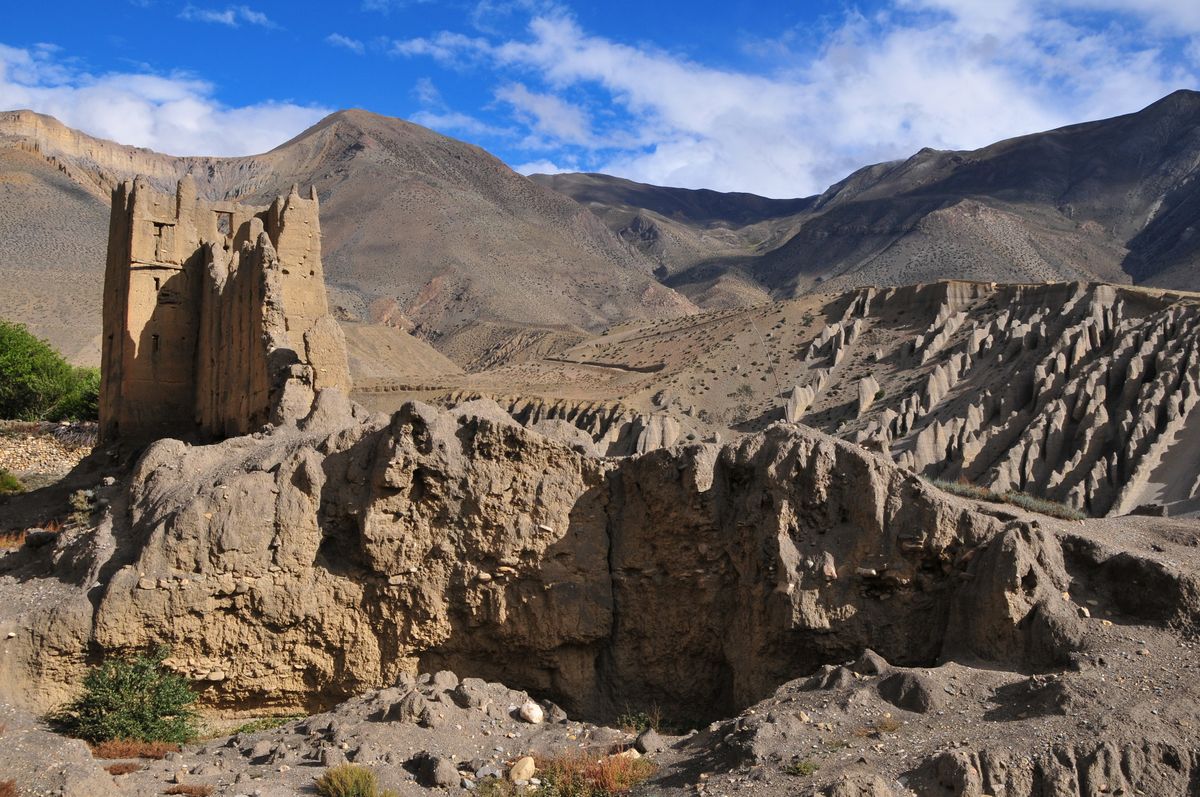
<point x="122" y="769"/>
<point x="802" y="769"/>
<point x="37" y="384"/>
<point x="582" y="774"/>
<point x="132" y="699"/>
<point x="10" y="483"/>
<point x="129" y="748"/>
<point x="633" y="720"/>
<point x="350" y="780"/>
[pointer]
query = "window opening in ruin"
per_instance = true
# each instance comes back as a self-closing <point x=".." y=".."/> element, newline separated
<point x="154" y="344"/>
<point x="157" y="284"/>
<point x="224" y="223"/>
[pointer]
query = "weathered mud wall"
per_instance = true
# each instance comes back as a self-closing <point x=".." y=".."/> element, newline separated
<point x="210" y="308"/>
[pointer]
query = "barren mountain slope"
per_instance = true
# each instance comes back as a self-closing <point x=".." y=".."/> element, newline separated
<point x="429" y="231"/>
<point x="1114" y="201"/>
<point x="53" y="236"/>
<point x="679" y="228"/>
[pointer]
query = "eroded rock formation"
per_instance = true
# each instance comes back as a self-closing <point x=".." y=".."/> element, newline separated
<point x="304" y="565"/>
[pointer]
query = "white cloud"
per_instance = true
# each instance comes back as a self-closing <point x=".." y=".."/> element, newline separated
<point x="174" y="114"/>
<point x="455" y="122"/>
<point x="541" y="167"/>
<point x="451" y="49"/>
<point x="233" y="16"/>
<point x="549" y="115"/>
<point x="1175" y="16"/>
<point x="353" y="45"/>
<point x="951" y="74"/>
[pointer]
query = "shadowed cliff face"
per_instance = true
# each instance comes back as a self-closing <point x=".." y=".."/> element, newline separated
<point x="300" y="567"/>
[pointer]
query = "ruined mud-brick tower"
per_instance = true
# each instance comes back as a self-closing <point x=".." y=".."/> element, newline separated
<point x="215" y="315"/>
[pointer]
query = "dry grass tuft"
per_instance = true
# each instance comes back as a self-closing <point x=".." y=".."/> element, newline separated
<point x="881" y="727"/>
<point x="583" y="774"/>
<point x="191" y="790"/>
<point x="131" y="748"/>
<point x="12" y="540"/>
<point x="8" y="788"/>
<point x="122" y="769"/>
<point x="1027" y="502"/>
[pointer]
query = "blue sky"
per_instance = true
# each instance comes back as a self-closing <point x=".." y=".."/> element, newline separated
<point x="778" y="98"/>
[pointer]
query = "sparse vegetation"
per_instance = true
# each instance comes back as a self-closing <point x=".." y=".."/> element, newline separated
<point x="8" y="788"/>
<point x="37" y="384"/>
<point x="81" y="503"/>
<point x="9" y="483"/>
<point x="1023" y="500"/>
<point x="124" y="768"/>
<point x="635" y="721"/>
<point x="880" y="727"/>
<point x="495" y="787"/>
<point x="803" y="768"/>
<point x="576" y="774"/>
<point x="265" y="724"/>
<point x="582" y="774"/>
<point x="350" y="780"/>
<point x="136" y="699"/>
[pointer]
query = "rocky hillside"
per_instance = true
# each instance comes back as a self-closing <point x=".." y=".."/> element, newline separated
<point x="421" y="231"/>
<point x="1081" y="394"/>
<point x="1110" y="201"/>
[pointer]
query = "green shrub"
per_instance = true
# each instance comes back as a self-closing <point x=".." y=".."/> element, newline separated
<point x="37" y="384"/>
<point x="802" y="768"/>
<point x="350" y="780"/>
<point x="10" y="483"/>
<point x="136" y="699"/>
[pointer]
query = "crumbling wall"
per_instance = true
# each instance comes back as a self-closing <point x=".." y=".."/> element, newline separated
<point x="215" y="315"/>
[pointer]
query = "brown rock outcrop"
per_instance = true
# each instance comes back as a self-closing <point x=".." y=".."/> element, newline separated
<point x="307" y="564"/>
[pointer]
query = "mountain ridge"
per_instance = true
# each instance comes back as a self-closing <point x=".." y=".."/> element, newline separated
<point x="1108" y="200"/>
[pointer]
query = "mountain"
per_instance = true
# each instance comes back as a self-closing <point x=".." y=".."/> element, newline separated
<point x="682" y="229"/>
<point x="1114" y="201"/>
<point x="420" y="231"/>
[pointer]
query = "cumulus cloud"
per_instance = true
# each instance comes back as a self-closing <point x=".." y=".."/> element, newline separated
<point x="549" y="115"/>
<point x="175" y="114"/>
<point x="950" y="74"/>
<point x="233" y="16"/>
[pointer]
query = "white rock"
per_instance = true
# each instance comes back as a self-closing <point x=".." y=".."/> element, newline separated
<point x="523" y="769"/>
<point x="531" y="712"/>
